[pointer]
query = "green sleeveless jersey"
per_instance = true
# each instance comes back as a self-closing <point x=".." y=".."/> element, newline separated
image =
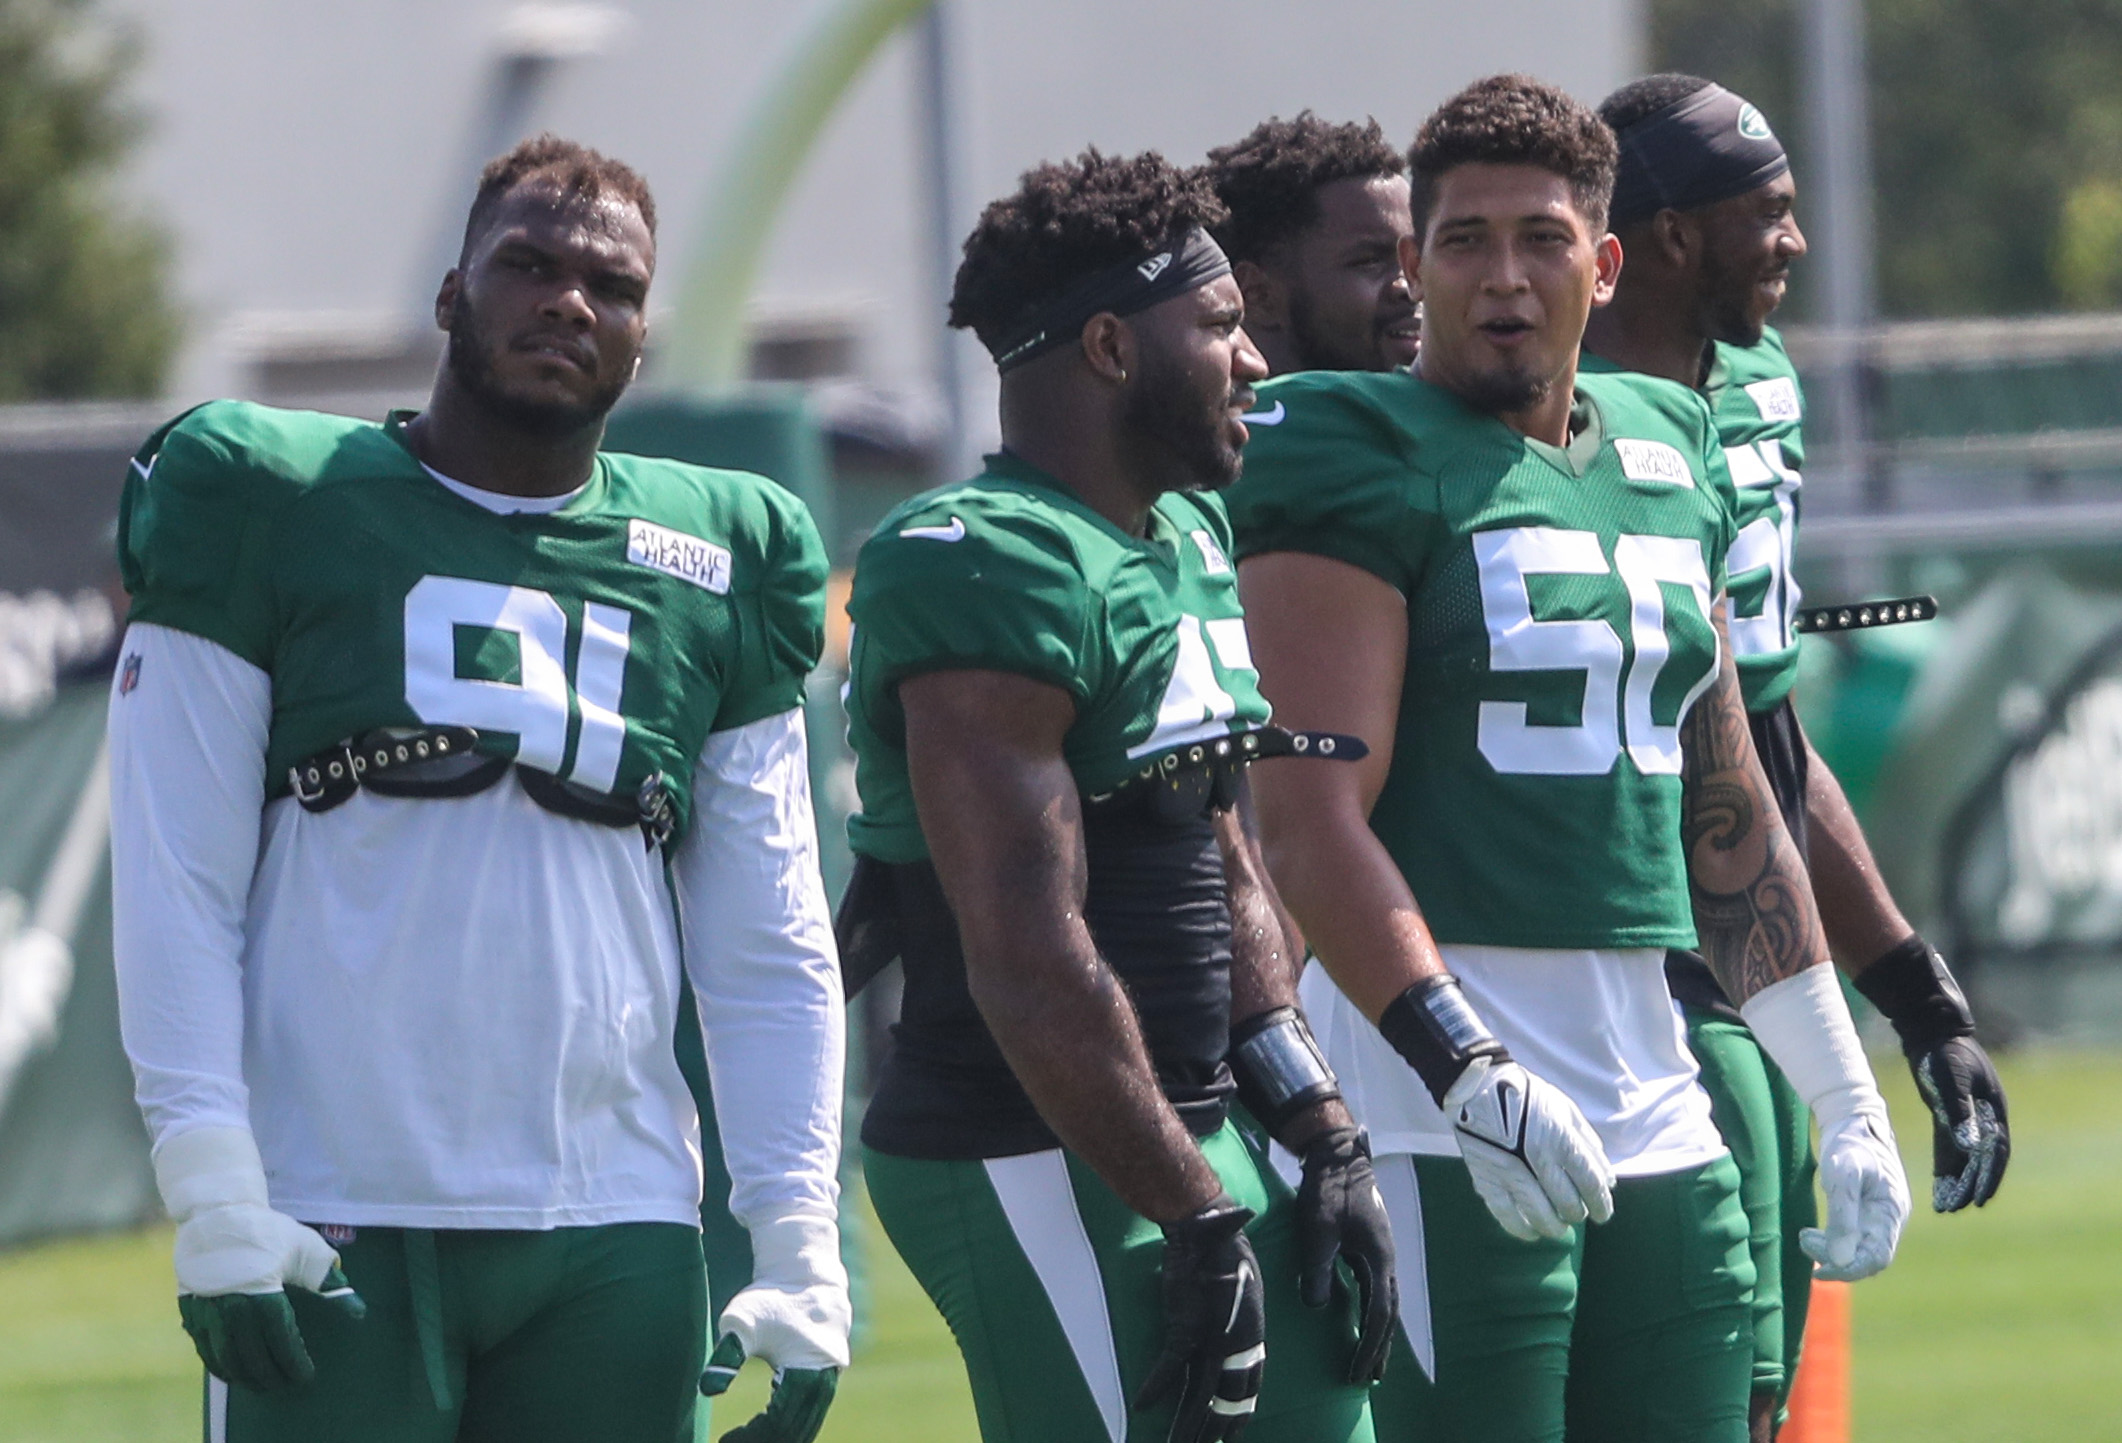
<point x="1010" y="572"/>
<point x="1559" y="629"/>
<point x="1754" y="394"/>
<point x="600" y="642"/>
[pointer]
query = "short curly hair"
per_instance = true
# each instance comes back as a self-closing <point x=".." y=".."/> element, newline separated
<point x="1066" y="220"/>
<point x="1270" y="180"/>
<point x="1516" y="120"/>
<point x="1646" y="97"/>
<point x="572" y="169"/>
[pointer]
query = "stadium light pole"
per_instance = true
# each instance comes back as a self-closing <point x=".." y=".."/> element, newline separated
<point x="531" y="45"/>
<point x="942" y="124"/>
<point x="1838" y="122"/>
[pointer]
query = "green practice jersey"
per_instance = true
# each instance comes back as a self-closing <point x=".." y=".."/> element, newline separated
<point x="1010" y="572"/>
<point x="1559" y="629"/>
<point x="1760" y="411"/>
<point x="600" y="642"/>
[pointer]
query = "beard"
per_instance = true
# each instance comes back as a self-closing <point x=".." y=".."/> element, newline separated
<point x="470" y="360"/>
<point x="1727" y="315"/>
<point x="1503" y="392"/>
<point x="1166" y="410"/>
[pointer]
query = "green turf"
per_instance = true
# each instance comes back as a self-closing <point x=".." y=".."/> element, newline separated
<point x="2000" y="1325"/>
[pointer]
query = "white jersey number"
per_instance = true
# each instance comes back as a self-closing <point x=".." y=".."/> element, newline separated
<point x="538" y="705"/>
<point x="1764" y="542"/>
<point x="1612" y="714"/>
<point x="1195" y="705"/>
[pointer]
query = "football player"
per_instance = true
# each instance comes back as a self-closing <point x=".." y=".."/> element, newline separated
<point x="1507" y="579"/>
<point x="1317" y="214"/>
<point x="1052" y="705"/>
<point x="1703" y="208"/>
<point x="446" y="743"/>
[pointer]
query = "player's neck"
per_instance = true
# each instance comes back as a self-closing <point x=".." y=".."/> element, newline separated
<point x="1657" y="339"/>
<point x="1547" y="419"/>
<point x="1087" y="463"/>
<point x="466" y="442"/>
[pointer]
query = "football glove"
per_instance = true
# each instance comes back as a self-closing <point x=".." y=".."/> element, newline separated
<point x="795" y="1316"/>
<point x="1804" y="1025"/>
<point x="1535" y="1161"/>
<point x="1970" y="1127"/>
<point x="235" y="1258"/>
<point x="1340" y="1214"/>
<point x="1215" y="1326"/>
<point x="1533" y="1158"/>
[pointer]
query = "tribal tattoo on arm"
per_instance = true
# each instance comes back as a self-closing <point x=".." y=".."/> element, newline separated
<point x="1753" y="900"/>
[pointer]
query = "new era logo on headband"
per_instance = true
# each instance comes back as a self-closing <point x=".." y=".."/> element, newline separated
<point x="1154" y="266"/>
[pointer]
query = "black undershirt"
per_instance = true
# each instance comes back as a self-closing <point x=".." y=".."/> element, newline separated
<point x="1158" y="910"/>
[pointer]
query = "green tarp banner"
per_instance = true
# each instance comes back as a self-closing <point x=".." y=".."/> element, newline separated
<point x="73" y="1152"/>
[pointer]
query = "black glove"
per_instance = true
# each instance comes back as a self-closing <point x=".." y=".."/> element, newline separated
<point x="1341" y="1215"/>
<point x="1215" y="1325"/>
<point x="1970" y="1126"/>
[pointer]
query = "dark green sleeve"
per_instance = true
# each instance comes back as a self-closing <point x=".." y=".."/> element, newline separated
<point x="1010" y="596"/>
<point x="195" y="526"/>
<point x="1334" y="478"/>
<point x="781" y="620"/>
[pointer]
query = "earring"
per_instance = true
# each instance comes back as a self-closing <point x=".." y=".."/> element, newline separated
<point x="1123" y="375"/>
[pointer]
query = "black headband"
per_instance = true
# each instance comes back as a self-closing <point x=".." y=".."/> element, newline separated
<point x="1703" y="148"/>
<point x="1192" y="260"/>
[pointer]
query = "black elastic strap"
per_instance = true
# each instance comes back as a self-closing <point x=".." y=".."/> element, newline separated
<point x="398" y="761"/>
<point x="1915" y="990"/>
<point x="1184" y="780"/>
<point x="1280" y="1071"/>
<point x="1432" y="1027"/>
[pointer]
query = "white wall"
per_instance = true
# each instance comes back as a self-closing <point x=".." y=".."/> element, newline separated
<point x="308" y="154"/>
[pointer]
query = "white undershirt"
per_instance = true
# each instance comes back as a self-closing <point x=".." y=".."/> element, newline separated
<point x="1599" y="1025"/>
<point x="502" y="503"/>
<point x="460" y="1012"/>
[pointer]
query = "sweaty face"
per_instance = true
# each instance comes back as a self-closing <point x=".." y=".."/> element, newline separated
<point x="548" y="312"/>
<point x="1349" y="304"/>
<point x="1507" y="274"/>
<point x="1196" y="374"/>
<point x="1748" y="243"/>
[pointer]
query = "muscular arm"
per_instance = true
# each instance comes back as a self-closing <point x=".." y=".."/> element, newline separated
<point x="1329" y="866"/>
<point x="1858" y="912"/>
<point x="1262" y="972"/>
<point x="998" y="807"/>
<point x="1753" y="902"/>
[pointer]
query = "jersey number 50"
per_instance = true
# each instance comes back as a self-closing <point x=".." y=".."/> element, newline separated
<point x="1612" y="713"/>
<point x="537" y="704"/>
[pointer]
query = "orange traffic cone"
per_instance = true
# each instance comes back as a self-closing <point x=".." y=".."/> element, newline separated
<point x="1819" y="1401"/>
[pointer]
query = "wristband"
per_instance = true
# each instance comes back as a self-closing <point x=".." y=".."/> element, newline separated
<point x="1432" y="1027"/>
<point x="1803" y="1024"/>
<point x="1915" y="991"/>
<point x="1279" y="1068"/>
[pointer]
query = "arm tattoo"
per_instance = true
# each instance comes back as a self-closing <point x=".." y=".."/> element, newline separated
<point x="1753" y="902"/>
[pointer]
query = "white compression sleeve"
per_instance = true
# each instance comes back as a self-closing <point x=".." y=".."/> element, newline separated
<point x="759" y="950"/>
<point x="1804" y="1024"/>
<point x="187" y="749"/>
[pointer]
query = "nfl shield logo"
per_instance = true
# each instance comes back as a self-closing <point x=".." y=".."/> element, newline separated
<point x="129" y="677"/>
<point x="337" y="1234"/>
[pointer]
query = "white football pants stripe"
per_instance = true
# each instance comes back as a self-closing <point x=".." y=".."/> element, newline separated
<point x="216" y="1410"/>
<point x="1403" y="1205"/>
<point x="1041" y="1207"/>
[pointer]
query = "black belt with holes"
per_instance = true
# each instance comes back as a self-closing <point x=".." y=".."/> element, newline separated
<point x="444" y="762"/>
<point x="1180" y="783"/>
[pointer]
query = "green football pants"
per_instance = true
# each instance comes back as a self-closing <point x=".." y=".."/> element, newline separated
<point x="495" y="1337"/>
<point x="1770" y="1133"/>
<point x="1634" y="1331"/>
<point x="1050" y="1285"/>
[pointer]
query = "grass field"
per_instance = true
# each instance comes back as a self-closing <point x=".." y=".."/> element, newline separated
<point x="2003" y="1326"/>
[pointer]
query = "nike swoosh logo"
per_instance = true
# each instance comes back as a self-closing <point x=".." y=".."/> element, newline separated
<point x="1237" y="1296"/>
<point x="147" y="472"/>
<point x="1272" y="416"/>
<point x="953" y="532"/>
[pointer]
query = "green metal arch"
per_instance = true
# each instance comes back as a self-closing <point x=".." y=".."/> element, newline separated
<point x="706" y="350"/>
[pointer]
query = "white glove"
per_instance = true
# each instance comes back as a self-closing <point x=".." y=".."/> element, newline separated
<point x="1534" y="1159"/>
<point x="1804" y="1024"/>
<point x="229" y="1240"/>
<point x="795" y="1313"/>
